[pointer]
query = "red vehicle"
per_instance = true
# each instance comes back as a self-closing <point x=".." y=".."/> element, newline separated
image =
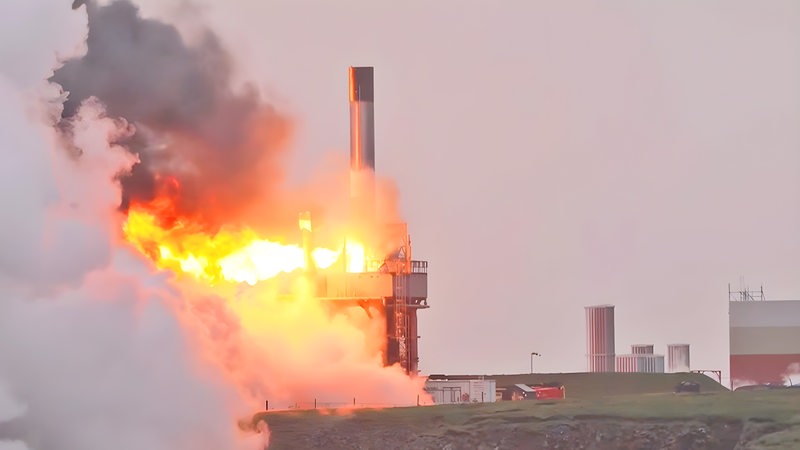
<point x="533" y="392"/>
<point x="541" y="392"/>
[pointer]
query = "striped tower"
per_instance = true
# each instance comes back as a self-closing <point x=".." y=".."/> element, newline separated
<point x="600" y="338"/>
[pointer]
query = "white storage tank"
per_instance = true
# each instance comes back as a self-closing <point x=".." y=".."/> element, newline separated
<point x="640" y="363"/>
<point x="678" y="357"/>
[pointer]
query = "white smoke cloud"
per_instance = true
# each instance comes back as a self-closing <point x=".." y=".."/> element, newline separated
<point x="741" y="382"/>
<point x="91" y="356"/>
<point x="10" y="409"/>
<point x="91" y="352"/>
<point x="791" y="377"/>
<point x="13" y="445"/>
<point x="94" y="351"/>
<point x="33" y="32"/>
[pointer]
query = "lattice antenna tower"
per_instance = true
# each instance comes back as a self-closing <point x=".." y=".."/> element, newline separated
<point x="745" y="294"/>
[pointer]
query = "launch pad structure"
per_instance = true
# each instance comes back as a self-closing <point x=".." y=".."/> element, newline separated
<point x="391" y="282"/>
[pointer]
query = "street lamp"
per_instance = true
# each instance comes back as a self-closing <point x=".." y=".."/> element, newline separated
<point x="532" y="355"/>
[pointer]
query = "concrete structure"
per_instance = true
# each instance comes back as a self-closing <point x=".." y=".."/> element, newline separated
<point x="642" y="349"/>
<point x="764" y="342"/>
<point x="475" y="390"/>
<point x="600" y="338"/>
<point x="640" y="363"/>
<point x="678" y="358"/>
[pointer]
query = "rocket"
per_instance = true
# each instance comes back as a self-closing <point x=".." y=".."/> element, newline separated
<point x="362" y="144"/>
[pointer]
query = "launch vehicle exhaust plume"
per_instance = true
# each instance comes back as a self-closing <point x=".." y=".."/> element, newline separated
<point x="153" y="313"/>
<point x="224" y="146"/>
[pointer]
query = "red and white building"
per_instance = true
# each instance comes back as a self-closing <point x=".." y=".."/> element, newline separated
<point x="764" y="342"/>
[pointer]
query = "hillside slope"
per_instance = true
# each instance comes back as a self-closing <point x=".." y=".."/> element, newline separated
<point x="724" y="420"/>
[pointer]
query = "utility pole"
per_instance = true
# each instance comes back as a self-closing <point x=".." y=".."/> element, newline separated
<point x="532" y="355"/>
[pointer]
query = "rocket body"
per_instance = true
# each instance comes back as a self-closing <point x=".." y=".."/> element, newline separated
<point x="362" y="143"/>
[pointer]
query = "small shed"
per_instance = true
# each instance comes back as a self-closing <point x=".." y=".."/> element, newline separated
<point x="474" y="390"/>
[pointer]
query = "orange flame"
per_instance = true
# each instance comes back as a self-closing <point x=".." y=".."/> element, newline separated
<point x="308" y="346"/>
<point x="234" y="255"/>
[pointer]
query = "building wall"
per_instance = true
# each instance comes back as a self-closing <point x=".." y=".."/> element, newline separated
<point x="642" y="349"/>
<point x="678" y="358"/>
<point x="600" y="338"/>
<point x="764" y="342"/>
<point x="626" y="364"/>
<point x="640" y="363"/>
<point x="462" y="391"/>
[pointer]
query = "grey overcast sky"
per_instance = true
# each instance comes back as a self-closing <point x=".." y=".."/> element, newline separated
<point x="553" y="155"/>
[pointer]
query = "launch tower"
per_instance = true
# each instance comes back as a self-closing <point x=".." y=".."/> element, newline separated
<point x="391" y="280"/>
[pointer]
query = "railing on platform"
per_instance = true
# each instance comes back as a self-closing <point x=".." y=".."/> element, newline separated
<point x="419" y="266"/>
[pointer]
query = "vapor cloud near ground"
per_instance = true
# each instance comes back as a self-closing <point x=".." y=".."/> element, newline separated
<point x="98" y="349"/>
<point x="91" y="357"/>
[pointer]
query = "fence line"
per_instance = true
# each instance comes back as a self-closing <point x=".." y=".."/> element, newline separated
<point x="323" y="404"/>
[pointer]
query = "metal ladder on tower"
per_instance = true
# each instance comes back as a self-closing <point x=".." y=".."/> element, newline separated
<point x="401" y="318"/>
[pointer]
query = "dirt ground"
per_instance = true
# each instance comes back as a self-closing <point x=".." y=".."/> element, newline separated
<point x="736" y="421"/>
<point x="595" y="433"/>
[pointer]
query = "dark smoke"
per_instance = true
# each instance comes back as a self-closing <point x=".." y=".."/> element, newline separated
<point x="219" y="144"/>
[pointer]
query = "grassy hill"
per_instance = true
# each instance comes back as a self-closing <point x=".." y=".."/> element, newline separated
<point x="718" y="420"/>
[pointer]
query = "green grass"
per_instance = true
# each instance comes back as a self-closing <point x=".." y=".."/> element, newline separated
<point x="779" y="408"/>
<point x="622" y="391"/>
